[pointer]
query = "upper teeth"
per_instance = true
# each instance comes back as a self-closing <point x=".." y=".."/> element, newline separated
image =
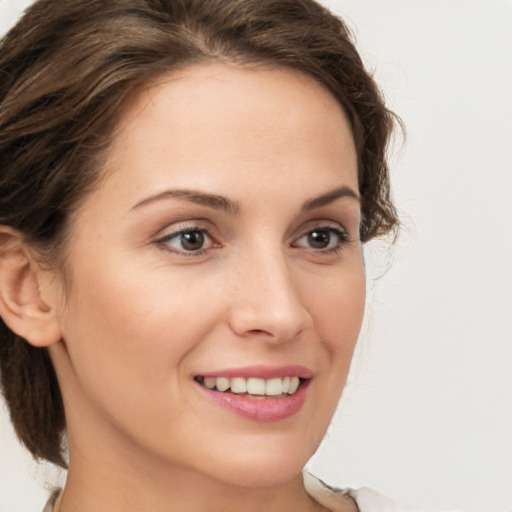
<point x="253" y="386"/>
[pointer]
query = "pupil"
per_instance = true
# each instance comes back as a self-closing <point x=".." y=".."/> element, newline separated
<point x="192" y="241"/>
<point x="319" y="239"/>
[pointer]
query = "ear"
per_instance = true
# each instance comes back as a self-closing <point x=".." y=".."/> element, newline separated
<point x="22" y="307"/>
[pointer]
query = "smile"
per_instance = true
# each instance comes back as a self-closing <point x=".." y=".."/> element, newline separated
<point x="252" y="386"/>
<point x="262" y="394"/>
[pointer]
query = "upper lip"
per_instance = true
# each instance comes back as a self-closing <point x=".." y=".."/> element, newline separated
<point x="262" y="372"/>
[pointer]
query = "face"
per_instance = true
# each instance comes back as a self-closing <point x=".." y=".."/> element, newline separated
<point x="221" y="249"/>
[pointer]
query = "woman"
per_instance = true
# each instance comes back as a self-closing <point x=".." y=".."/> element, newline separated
<point x="188" y="189"/>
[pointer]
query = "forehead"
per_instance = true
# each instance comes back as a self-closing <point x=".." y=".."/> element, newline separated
<point x="222" y="98"/>
<point x="232" y="128"/>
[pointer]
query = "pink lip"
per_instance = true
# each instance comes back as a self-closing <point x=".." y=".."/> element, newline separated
<point x="263" y="372"/>
<point x="259" y="409"/>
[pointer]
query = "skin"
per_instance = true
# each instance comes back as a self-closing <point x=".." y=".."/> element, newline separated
<point x="140" y="317"/>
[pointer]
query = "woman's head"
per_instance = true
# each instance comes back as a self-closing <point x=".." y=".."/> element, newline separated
<point x="76" y="97"/>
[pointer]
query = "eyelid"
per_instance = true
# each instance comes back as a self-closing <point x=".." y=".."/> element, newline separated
<point x="170" y="232"/>
<point x="332" y="229"/>
<point x="335" y="228"/>
<point x="320" y="224"/>
<point x="174" y="227"/>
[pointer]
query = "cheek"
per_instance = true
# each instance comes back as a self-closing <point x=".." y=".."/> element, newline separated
<point x="338" y="313"/>
<point x="132" y="329"/>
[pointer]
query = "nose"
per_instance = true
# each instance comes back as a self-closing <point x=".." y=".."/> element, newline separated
<point x="267" y="303"/>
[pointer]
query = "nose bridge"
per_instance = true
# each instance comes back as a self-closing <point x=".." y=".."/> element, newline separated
<point x="268" y="301"/>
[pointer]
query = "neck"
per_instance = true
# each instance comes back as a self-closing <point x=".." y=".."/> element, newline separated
<point x="132" y="483"/>
<point x="190" y="494"/>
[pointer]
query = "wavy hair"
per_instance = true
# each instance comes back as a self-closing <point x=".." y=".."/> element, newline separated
<point x="66" y="71"/>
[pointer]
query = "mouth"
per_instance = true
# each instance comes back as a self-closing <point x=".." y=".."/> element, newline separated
<point x="253" y="387"/>
<point x="258" y="393"/>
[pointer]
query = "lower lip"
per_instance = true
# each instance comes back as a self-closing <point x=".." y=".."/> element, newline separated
<point x="259" y="409"/>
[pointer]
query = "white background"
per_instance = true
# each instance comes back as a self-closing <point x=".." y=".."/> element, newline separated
<point x="428" y="415"/>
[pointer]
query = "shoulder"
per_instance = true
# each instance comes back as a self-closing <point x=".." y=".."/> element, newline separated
<point x="367" y="500"/>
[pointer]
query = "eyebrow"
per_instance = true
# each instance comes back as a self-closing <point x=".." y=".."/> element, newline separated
<point x="330" y="197"/>
<point x="222" y="203"/>
<point x="210" y="200"/>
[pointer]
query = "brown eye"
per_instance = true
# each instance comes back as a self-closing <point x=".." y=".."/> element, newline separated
<point x="319" y="238"/>
<point x="187" y="242"/>
<point x="323" y="239"/>
<point x="192" y="240"/>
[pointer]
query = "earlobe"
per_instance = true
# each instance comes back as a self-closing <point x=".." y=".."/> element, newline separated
<point x="21" y="306"/>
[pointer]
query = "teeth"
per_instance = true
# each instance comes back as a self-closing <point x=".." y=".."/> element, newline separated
<point x="209" y="382"/>
<point x="274" y="387"/>
<point x="294" y="384"/>
<point x="253" y="386"/>
<point x="256" y="386"/>
<point x="238" y="385"/>
<point x="222" y="384"/>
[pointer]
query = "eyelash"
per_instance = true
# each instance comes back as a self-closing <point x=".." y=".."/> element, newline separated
<point x="340" y="234"/>
<point x="164" y="241"/>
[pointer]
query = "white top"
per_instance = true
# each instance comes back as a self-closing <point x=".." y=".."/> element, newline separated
<point x="334" y="499"/>
<point x="367" y="499"/>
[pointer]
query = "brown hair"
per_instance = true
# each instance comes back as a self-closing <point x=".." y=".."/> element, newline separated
<point x="66" y="70"/>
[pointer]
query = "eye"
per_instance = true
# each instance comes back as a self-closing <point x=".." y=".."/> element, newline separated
<point x="188" y="241"/>
<point x="325" y="239"/>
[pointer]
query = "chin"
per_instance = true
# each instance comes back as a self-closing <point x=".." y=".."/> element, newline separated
<point x="271" y="474"/>
<point x="267" y="466"/>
